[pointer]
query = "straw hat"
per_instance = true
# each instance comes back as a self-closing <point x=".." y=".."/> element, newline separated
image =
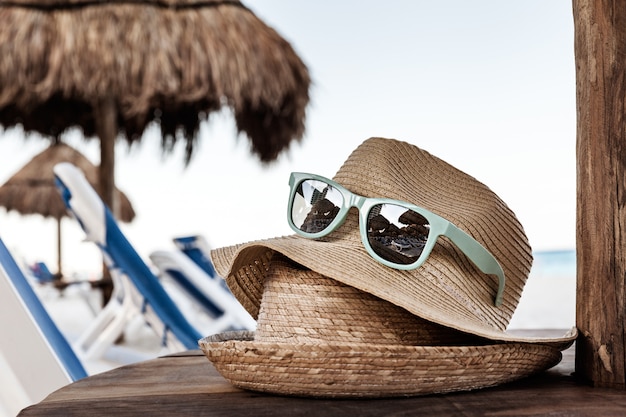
<point x="447" y="290"/>
<point x="318" y="337"/>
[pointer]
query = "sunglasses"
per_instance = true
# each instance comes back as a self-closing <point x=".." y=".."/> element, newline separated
<point x="397" y="234"/>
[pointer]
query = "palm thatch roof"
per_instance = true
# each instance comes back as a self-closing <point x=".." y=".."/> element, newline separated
<point x="32" y="190"/>
<point x="172" y="62"/>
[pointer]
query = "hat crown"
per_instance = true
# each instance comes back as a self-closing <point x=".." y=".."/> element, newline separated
<point x="388" y="168"/>
<point x="303" y="306"/>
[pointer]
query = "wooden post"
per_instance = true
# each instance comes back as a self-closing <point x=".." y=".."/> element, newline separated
<point x="600" y="53"/>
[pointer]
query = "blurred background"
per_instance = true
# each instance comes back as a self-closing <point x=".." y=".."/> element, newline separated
<point x="488" y="86"/>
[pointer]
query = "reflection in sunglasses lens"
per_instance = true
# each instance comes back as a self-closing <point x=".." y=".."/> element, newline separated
<point x="315" y="205"/>
<point x="397" y="234"/>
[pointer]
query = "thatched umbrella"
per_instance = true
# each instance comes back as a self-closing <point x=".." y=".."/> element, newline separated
<point x="113" y="67"/>
<point x="31" y="190"/>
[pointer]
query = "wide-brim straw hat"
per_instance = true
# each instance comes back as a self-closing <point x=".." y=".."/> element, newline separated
<point x="447" y="289"/>
<point x="321" y="338"/>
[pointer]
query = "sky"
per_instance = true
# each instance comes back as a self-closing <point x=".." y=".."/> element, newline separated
<point x="488" y="86"/>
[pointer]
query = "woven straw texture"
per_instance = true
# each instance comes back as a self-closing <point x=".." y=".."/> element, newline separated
<point x="172" y="63"/>
<point x="350" y="370"/>
<point x="448" y="289"/>
<point x="319" y="337"/>
<point x="302" y="306"/>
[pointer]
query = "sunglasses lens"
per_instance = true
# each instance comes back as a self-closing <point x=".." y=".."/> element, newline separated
<point x="315" y="205"/>
<point x="397" y="234"/>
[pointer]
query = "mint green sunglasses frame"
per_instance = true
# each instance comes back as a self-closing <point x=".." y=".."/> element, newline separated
<point x="439" y="226"/>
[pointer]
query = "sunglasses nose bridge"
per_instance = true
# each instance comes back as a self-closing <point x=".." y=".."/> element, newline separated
<point x="355" y="200"/>
<point x="358" y="202"/>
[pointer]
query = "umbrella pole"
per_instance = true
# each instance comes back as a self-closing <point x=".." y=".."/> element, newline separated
<point x="59" y="269"/>
<point x="106" y="129"/>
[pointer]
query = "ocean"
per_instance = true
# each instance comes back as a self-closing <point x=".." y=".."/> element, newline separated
<point x="549" y="297"/>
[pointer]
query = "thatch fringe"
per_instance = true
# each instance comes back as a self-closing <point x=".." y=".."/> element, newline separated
<point x="74" y="4"/>
<point x="172" y="66"/>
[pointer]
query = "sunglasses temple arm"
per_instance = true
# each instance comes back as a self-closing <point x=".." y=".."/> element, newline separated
<point x="480" y="256"/>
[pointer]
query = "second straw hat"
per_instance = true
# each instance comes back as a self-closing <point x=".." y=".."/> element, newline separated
<point x="318" y="337"/>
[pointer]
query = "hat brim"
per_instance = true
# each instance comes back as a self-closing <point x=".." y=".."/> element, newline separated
<point x="352" y="266"/>
<point x="370" y="371"/>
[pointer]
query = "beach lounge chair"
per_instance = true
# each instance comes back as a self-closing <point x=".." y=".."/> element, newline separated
<point x="35" y="357"/>
<point x="124" y="263"/>
<point x="43" y="274"/>
<point x="205" y="291"/>
<point x="197" y="249"/>
<point x="110" y="323"/>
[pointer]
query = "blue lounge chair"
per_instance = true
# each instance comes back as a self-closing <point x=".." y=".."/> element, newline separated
<point x="43" y="274"/>
<point x="126" y="266"/>
<point x="38" y="355"/>
<point x="197" y="249"/>
<point x="206" y="292"/>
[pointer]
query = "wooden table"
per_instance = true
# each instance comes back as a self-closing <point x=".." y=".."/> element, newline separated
<point x="188" y="385"/>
